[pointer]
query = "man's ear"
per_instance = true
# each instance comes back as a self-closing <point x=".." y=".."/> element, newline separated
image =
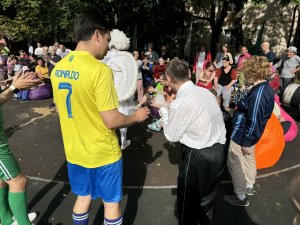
<point x="97" y="35"/>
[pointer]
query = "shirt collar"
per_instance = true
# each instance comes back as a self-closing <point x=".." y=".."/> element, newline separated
<point x="183" y="87"/>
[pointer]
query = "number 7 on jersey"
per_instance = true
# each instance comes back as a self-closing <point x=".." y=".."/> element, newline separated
<point x="68" y="87"/>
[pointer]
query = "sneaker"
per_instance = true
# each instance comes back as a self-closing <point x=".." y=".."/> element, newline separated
<point x="31" y="216"/>
<point x="250" y="191"/>
<point x="234" y="200"/>
<point x="125" y="144"/>
<point x="154" y="127"/>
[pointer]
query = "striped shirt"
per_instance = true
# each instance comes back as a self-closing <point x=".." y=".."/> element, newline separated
<point x="194" y="118"/>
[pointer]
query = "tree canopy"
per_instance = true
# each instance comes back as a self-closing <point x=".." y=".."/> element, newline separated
<point x="159" y="21"/>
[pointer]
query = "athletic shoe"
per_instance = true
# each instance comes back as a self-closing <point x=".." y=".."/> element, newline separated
<point x="154" y="126"/>
<point x="250" y="191"/>
<point x="125" y="144"/>
<point x="234" y="200"/>
<point x="31" y="216"/>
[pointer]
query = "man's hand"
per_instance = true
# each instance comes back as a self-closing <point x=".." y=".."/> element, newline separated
<point x="21" y="82"/>
<point x="247" y="150"/>
<point x="228" y="88"/>
<point x="142" y="114"/>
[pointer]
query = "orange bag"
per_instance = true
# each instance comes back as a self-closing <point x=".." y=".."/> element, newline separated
<point x="271" y="144"/>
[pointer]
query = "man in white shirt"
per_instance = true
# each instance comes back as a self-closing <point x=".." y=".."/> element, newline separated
<point x="196" y="121"/>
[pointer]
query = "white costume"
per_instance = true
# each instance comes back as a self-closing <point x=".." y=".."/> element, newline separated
<point x="125" y="74"/>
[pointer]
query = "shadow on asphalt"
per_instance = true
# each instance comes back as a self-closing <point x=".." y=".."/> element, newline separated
<point x="58" y="198"/>
<point x="135" y="159"/>
<point x="225" y="214"/>
<point x="11" y="130"/>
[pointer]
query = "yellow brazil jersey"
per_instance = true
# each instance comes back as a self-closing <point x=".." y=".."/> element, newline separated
<point x="82" y="87"/>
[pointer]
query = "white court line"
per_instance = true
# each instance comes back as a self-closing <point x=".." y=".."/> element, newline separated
<point x="171" y="186"/>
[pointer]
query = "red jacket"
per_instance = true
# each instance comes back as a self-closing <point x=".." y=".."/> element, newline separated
<point x="158" y="70"/>
<point x="206" y="60"/>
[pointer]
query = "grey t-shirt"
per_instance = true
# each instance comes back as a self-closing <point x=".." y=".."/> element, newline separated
<point x="288" y="64"/>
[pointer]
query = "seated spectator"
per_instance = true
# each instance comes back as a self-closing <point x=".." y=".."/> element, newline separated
<point x="62" y="51"/>
<point x="151" y="92"/>
<point x="17" y="66"/>
<point x="224" y="52"/>
<point x="10" y="65"/>
<point x="159" y="69"/>
<point x="41" y="69"/>
<point x="162" y="99"/>
<point x="207" y="76"/>
<point x="24" y="59"/>
<point x="223" y="82"/>
<point x="146" y="73"/>
<point x="22" y="95"/>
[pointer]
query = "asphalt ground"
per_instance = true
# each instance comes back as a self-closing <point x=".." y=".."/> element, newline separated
<point x="150" y="174"/>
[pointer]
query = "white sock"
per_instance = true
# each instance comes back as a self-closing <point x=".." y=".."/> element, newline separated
<point x="249" y="185"/>
<point x="241" y="197"/>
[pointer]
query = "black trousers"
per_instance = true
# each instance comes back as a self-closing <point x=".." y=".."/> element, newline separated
<point x="199" y="178"/>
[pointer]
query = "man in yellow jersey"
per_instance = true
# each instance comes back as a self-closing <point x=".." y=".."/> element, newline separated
<point x="87" y="103"/>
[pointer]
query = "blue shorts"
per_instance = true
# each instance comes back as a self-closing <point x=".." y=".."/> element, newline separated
<point x="102" y="182"/>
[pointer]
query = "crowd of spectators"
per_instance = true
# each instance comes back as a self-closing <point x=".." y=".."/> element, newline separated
<point x="41" y="59"/>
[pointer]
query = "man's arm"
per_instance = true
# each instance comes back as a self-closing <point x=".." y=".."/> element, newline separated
<point x="278" y="64"/>
<point x="113" y="119"/>
<point x="170" y="120"/>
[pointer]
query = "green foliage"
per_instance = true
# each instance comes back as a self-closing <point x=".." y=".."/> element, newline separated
<point x="157" y="20"/>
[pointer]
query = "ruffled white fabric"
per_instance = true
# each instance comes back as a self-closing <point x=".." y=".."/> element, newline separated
<point x="125" y="72"/>
<point x="119" y="40"/>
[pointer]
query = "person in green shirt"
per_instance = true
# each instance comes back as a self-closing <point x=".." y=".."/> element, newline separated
<point x="12" y="181"/>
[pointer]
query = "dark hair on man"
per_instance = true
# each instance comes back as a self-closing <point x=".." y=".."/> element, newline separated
<point x="86" y="24"/>
<point x="178" y="70"/>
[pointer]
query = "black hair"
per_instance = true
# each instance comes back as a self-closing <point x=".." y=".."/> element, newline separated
<point x="226" y="58"/>
<point x="86" y="24"/>
<point x="40" y="58"/>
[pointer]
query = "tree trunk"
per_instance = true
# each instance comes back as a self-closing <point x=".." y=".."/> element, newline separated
<point x="238" y="22"/>
<point x="297" y="33"/>
<point x="216" y="27"/>
<point x="292" y="26"/>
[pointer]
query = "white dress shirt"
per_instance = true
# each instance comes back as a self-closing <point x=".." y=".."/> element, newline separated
<point x="194" y="119"/>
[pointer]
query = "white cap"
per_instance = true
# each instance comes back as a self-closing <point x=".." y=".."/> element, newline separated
<point x="292" y="48"/>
